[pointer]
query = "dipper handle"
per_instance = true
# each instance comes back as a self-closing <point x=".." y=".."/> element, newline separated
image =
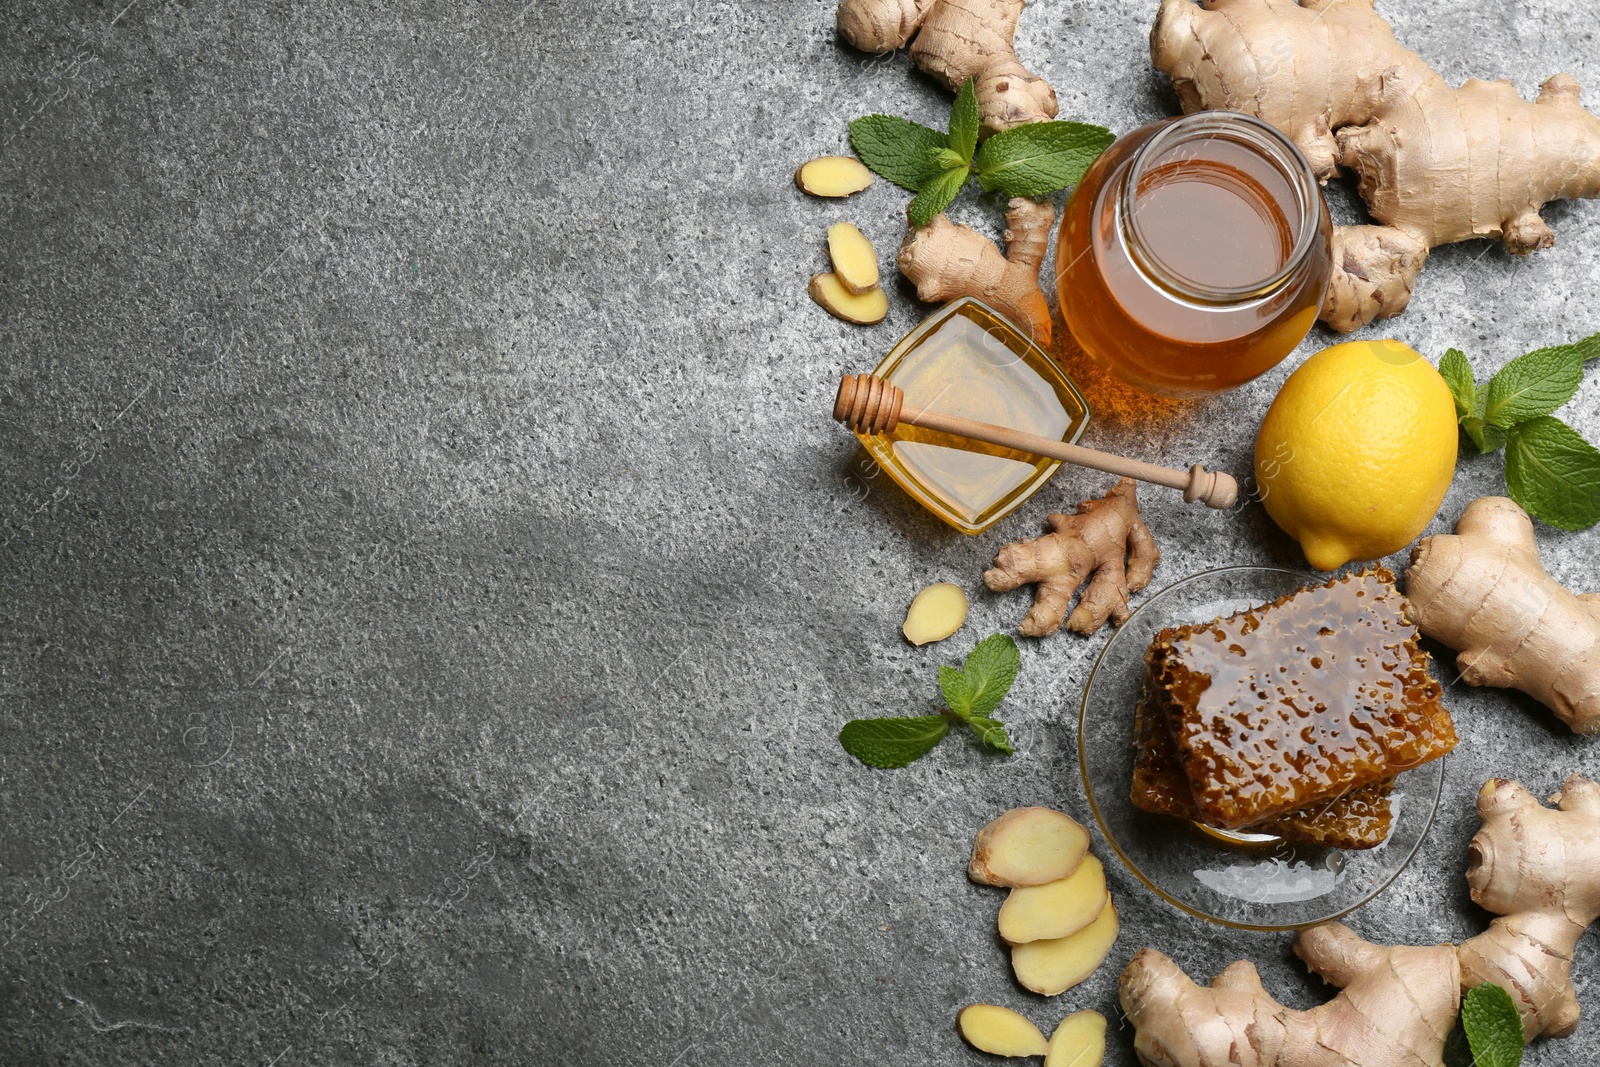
<point x="868" y="404"/>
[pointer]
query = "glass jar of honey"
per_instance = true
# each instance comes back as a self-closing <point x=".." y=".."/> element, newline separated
<point x="1194" y="254"/>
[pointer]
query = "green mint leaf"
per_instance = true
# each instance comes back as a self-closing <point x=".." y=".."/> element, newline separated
<point x="898" y="149"/>
<point x="1554" y="474"/>
<point x="1457" y="374"/>
<point x="1533" y="385"/>
<point x="959" y="693"/>
<point x="937" y="195"/>
<point x="1494" y="1029"/>
<point x="1588" y="348"/>
<point x="1485" y="436"/>
<point x="964" y="123"/>
<point x="990" y="670"/>
<point x="1038" y="158"/>
<point x="893" y="742"/>
<point x="991" y="733"/>
<point x="948" y="159"/>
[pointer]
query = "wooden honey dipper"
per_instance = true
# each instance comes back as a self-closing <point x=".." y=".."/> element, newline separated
<point x="870" y="405"/>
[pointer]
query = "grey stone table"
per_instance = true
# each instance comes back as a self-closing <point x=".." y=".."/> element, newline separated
<point x="433" y="585"/>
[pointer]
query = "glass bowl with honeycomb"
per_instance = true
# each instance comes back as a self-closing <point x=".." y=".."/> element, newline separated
<point x="1263" y="747"/>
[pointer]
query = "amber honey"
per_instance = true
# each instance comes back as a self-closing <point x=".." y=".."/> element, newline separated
<point x="1193" y="256"/>
<point x="966" y="360"/>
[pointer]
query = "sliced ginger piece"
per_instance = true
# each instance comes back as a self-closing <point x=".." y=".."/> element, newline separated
<point x="1055" y="966"/>
<point x="1000" y="1031"/>
<point x="829" y="291"/>
<point x="1028" y="846"/>
<point x="855" y="261"/>
<point x="833" y="176"/>
<point x="935" y="613"/>
<point x="1080" y="1041"/>
<point x="1055" y="909"/>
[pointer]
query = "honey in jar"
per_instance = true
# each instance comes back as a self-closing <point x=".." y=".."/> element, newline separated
<point x="1194" y="254"/>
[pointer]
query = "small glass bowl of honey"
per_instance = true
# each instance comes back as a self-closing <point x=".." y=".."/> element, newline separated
<point x="968" y="360"/>
<point x="1194" y="254"/>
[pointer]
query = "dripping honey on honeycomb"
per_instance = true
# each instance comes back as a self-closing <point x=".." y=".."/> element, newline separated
<point x="1292" y="718"/>
<point x="1358" y="819"/>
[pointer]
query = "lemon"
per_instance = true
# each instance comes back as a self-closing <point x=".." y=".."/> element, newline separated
<point x="1357" y="451"/>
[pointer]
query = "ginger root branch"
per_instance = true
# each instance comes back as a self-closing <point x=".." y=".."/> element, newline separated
<point x="945" y="261"/>
<point x="954" y="40"/>
<point x="1483" y="592"/>
<point x="1105" y="543"/>
<point x="1535" y="867"/>
<point x="1396" y="1009"/>
<point x="1437" y="164"/>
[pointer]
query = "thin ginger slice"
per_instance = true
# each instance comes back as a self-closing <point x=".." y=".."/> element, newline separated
<point x="1000" y="1031"/>
<point x="833" y="176"/>
<point x="855" y="261"/>
<point x="1055" y="966"/>
<point x="828" y="291"/>
<point x="1028" y="846"/>
<point x="1079" y="1041"/>
<point x="1055" y="909"/>
<point x="935" y="613"/>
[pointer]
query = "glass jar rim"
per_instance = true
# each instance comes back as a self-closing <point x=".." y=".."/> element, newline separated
<point x="1254" y="133"/>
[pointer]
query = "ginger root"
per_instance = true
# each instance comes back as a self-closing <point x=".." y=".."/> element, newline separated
<point x="1087" y="546"/>
<point x="1483" y="592"/>
<point x="956" y="40"/>
<point x="1028" y="846"/>
<point x="1536" y="868"/>
<point x="1396" y="1008"/>
<point x="1000" y="1031"/>
<point x="833" y="176"/>
<point x="945" y="261"/>
<point x="1539" y="870"/>
<point x="1437" y="165"/>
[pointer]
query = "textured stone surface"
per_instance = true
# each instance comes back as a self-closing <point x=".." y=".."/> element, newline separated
<point x="434" y="584"/>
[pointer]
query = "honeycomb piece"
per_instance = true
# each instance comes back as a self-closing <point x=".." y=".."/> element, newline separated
<point x="1359" y="819"/>
<point x="1300" y="701"/>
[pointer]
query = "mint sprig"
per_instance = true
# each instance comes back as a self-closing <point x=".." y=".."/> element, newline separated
<point x="971" y="693"/>
<point x="1552" y="472"/>
<point x="1494" y="1029"/>
<point x="1032" y="160"/>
